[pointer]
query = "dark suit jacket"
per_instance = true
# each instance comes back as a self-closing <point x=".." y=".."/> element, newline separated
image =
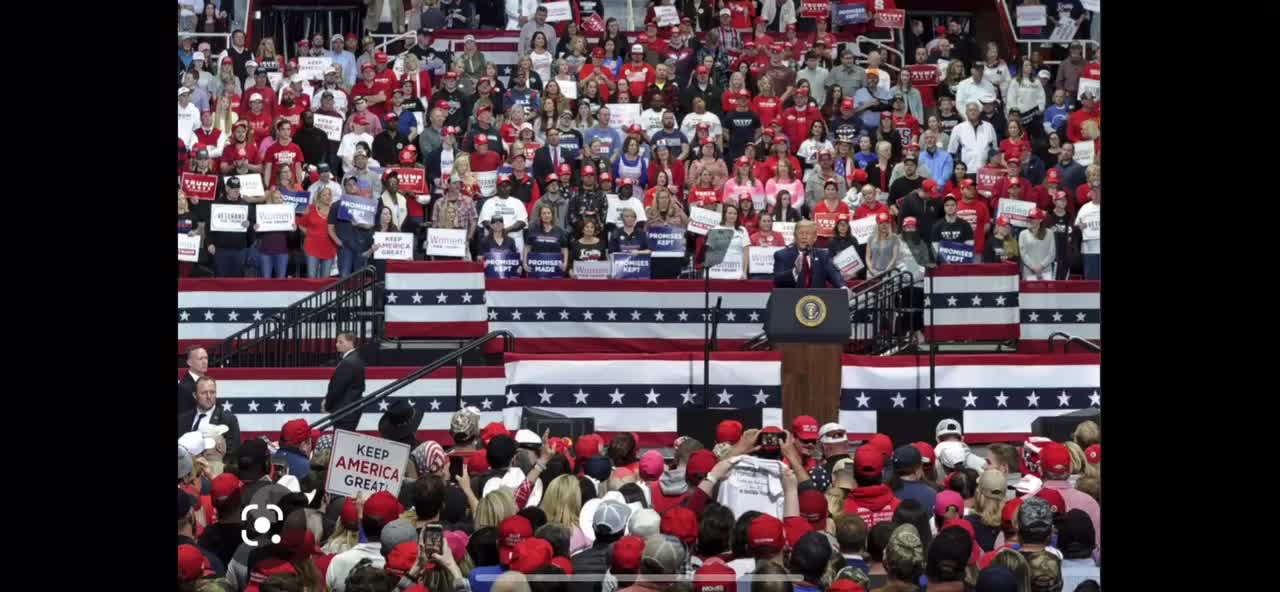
<point x="219" y="417"/>
<point x="346" y="385"/>
<point x="186" y="395"/>
<point x="825" y="273"/>
<point x="542" y="166"/>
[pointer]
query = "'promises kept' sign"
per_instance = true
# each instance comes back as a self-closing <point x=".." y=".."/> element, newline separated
<point x="365" y="463"/>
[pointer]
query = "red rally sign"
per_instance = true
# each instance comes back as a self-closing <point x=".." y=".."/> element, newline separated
<point x="200" y="186"/>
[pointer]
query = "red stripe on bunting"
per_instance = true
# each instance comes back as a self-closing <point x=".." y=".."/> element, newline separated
<point x="977" y="269"/>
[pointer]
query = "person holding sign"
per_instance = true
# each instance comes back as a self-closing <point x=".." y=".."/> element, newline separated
<point x="497" y="241"/>
<point x="842" y="236"/>
<point x="765" y="235"/>
<point x="801" y="265"/>
<point x="351" y="227"/>
<point x="273" y="246"/>
<point x="1002" y="245"/>
<point x="951" y="227"/>
<point x="628" y="238"/>
<point x="1089" y="221"/>
<point x="227" y="246"/>
<point x="589" y="247"/>
<point x="318" y="246"/>
<point x="1037" y="246"/>
<point x="545" y="236"/>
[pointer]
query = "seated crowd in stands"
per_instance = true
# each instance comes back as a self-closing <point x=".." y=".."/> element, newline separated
<point x="497" y="509"/>
<point x="736" y="122"/>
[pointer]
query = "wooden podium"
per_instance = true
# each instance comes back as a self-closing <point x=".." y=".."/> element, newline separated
<point x="810" y="327"/>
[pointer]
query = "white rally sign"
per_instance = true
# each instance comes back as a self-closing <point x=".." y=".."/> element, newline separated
<point x="273" y="217"/>
<point x="228" y="218"/>
<point x="188" y="248"/>
<point x="761" y="259"/>
<point x="251" y="185"/>
<point x="447" y="242"/>
<point x="330" y="125"/>
<point x="393" y="245"/>
<point x="862" y="228"/>
<point x="368" y="464"/>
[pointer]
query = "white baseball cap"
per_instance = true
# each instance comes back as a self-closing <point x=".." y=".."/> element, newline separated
<point x="182" y="90"/>
<point x="196" y="443"/>
<point x="947" y="427"/>
<point x="1028" y="485"/>
<point x="197" y="56"/>
<point x="644" y="522"/>
<point x="527" y="437"/>
<point x="726" y="11"/>
<point x="951" y="453"/>
<point x="637" y="48"/>
<point x="471" y="38"/>
<point x="828" y="428"/>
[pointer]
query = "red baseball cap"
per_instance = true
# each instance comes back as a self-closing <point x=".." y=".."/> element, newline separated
<point x="564" y="564"/>
<point x="451" y="75"/>
<point x="391" y="116"/>
<point x="715" y="577"/>
<point x="635" y="129"/>
<point x="883" y="218"/>
<point x="1055" y="499"/>
<point x="1002" y="221"/>
<point x="627" y="553"/>
<point x="381" y="58"/>
<point x="605" y="176"/>
<point x="493" y="430"/>
<point x="843" y="585"/>
<point x="926" y="453"/>
<point x="297" y="431"/>
<point x="966" y="183"/>
<point x="846" y="104"/>
<point x="482" y="140"/>
<point x="765" y="535"/>
<point x="351" y="514"/>
<point x="813" y="508"/>
<point x="805" y="428"/>
<point x="883" y="443"/>
<point x="512" y="532"/>
<point x="367" y="66"/>
<point x="477" y="463"/>
<point x="383" y="507"/>
<point x="729" y="430"/>
<point x="625" y="181"/>
<point x="565" y="170"/>
<point x="1036" y="214"/>
<point x="702" y="69"/>
<point x="530" y="554"/>
<point x="859" y="176"/>
<point x="1093" y="454"/>
<point x="929" y="185"/>
<point x="1054" y="457"/>
<point x="589" y="170"/>
<point x="680" y="522"/>
<point x="1053" y="176"/>
<point x="361" y="119"/>
<point x="192" y="564"/>
<point x="1009" y="514"/>
<point x="552" y="177"/>
<point x="945" y="500"/>
<point x="910" y="223"/>
<point x="700" y="463"/>
<point x="597" y="52"/>
<point x="868" y="461"/>
<point x="402" y="559"/>
<point x="223" y="487"/>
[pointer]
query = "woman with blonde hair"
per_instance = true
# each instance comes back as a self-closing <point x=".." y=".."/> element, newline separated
<point x="266" y="54"/>
<point x="1087" y="433"/>
<point x="462" y="171"/>
<point x="414" y="73"/>
<point x="1015" y="562"/>
<point x="318" y="246"/>
<point x="884" y="248"/>
<point x="562" y="503"/>
<point x="495" y="507"/>
<point x="224" y="117"/>
<point x="988" y="503"/>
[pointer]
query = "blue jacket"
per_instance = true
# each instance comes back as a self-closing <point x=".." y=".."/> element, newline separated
<point x="1056" y="117"/>
<point x="825" y="274"/>
<point x="609" y="134"/>
<point x="918" y="491"/>
<point x="298" y="463"/>
<point x="941" y="165"/>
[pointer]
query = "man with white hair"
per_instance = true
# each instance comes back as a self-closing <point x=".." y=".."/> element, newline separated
<point x="973" y="140"/>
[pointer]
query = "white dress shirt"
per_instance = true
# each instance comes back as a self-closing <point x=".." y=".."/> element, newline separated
<point x="342" y="564"/>
<point x="973" y="144"/>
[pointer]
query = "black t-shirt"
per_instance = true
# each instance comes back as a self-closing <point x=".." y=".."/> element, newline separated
<point x="581" y="252"/>
<point x="621" y="242"/>
<point x="487" y="244"/>
<point x="949" y="122"/>
<point x="956" y="232"/>
<point x="540" y="241"/>
<point x="903" y="186"/>
<point x="925" y="211"/>
<point x="742" y="126"/>
<point x="226" y="240"/>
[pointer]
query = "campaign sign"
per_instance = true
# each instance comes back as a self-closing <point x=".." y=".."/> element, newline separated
<point x="447" y="242"/>
<point x="1091" y="224"/>
<point x="251" y="185"/>
<point x="393" y="245"/>
<point x="558" y="11"/>
<point x="1084" y="152"/>
<point x="950" y="252"/>
<point x="365" y="464"/>
<point x="412" y="180"/>
<point x="592" y="270"/>
<point x="357" y="209"/>
<point x="1017" y="210"/>
<point x="924" y="75"/>
<point x="891" y="18"/>
<point x="760" y="259"/>
<point x="501" y="265"/>
<point x="812" y="9"/>
<point x="826" y="222"/>
<point x="313" y="68"/>
<point x="701" y="220"/>
<point x="488" y="182"/>
<point x="1089" y="85"/>
<point x="545" y="266"/>
<point x="330" y="125"/>
<point x="1033" y="16"/>
<point x="667" y="15"/>
<point x="622" y="115"/>
<point x="298" y="199"/>
<point x="275" y="217"/>
<point x="787" y="230"/>
<point x="989" y="178"/>
<point x="848" y="262"/>
<point x="200" y="186"/>
<point x="629" y="266"/>
<point x="850" y="14"/>
<point x="228" y="217"/>
<point x="730" y="268"/>
<point x="188" y="247"/>
<point x="666" y="241"/>
<point x="862" y="228"/>
<point x="568" y="88"/>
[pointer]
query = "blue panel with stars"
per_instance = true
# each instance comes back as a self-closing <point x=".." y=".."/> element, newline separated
<point x="435" y="297"/>
<point x="243" y="405"/>
<point x="973" y="300"/>
<point x="1061" y="315"/>
<point x="225" y="315"/>
<point x="982" y="399"/>
<point x="641" y="395"/>
<point x="619" y="315"/>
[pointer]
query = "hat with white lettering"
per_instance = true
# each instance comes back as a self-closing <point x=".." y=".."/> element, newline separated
<point x="196" y="443"/>
<point x="233" y="182"/>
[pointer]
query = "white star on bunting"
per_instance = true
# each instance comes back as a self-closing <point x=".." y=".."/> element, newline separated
<point x="1095" y="400"/>
<point x="512" y="397"/>
<point x="754" y="316"/>
<point x="493" y="315"/>
<point x="937" y="401"/>
<point x="233" y="316"/>
<point x="688" y="397"/>
<point x="208" y="315"/>
<point x="383" y="404"/>
<point x="586" y="315"/>
<point x="257" y="315"/>
<point x="970" y="400"/>
<point x="977" y="300"/>
<point x="279" y="406"/>
<point x="1079" y="317"/>
<point x="862" y="399"/>
<point x="613" y="316"/>
<point x="417" y="298"/>
<point x="544" y="396"/>
<point x="761" y="397"/>
<point x="725" y="396"/>
<point x="659" y="316"/>
<point x="952" y="301"/>
<point x="253" y="406"/>
<point x="466" y="297"/>
<point x="999" y="300"/>
<point x="1064" y="400"/>
<point x="306" y="406"/>
<point x="580" y="397"/>
<point x="392" y="298"/>
<point x="616" y="397"/>
<point x="564" y="315"/>
<point x="515" y="314"/>
<point x="651" y="397"/>
<point x="635" y="315"/>
<point x="1057" y="317"/>
<point x="185" y="315"/>
<point x="1033" y="400"/>
<point x="731" y="316"/>
<point x="898" y="400"/>
<point x="541" y="315"/>
<point x="441" y="298"/>
<point x="1034" y="317"/>
<point x="684" y="316"/>
<point x="1002" y="400"/>
<point x="226" y="405"/>
<point x="486" y="404"/>
<point x="435" y="404"/>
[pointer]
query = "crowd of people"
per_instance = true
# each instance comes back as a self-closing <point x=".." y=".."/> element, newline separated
<point x="768" y="510"/>
<point x="599" y="135"/>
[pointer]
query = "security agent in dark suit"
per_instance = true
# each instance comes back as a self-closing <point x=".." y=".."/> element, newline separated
<point x="206" y="411"/>
<point x="197" y="366"/>
<point x="803" y="266"/>
<point x="547" y="159"/>
<point x="347" y="384"/>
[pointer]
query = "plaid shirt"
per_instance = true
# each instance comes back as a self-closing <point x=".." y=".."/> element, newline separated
<point x="466" y="217"/>
<point x="730" y="39"/>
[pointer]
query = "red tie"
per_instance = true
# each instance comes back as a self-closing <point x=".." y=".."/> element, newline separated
<point x="808" y="272"/>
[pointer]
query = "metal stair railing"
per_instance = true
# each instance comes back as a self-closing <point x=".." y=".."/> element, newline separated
<point x="1068" y="339"/>
<point x="877" y="313"/>
<point x="303" y="333"/>
<point x="509" y="345"/>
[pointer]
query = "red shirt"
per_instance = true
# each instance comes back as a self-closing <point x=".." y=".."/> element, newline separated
<point x="1008" y="146"/>
<point x="675" y="174"/>
<point x="702" y="197"/>
<point x="291" y="114"/>
<point x="259" y="124"/>
<point x="279" y="156"/>
<point x="231" y="153"/>
<point x="488" y="161"/>
<point x="796" y="124"/>
<point x="588" y="70"/>
<point x="423" y="88"/>
<point x="978" y="215"/>
<point x="1075" y="123"/>
<point x="772" y="238"/>
<point x="209" y="138"/>
<point x="638" y="77"/>
<point x="744" y="14"/>
<point x="907" y="128"/>
<point x="771" y="166"/>
<point x="317" y="244"/>
<point x="365" y="89"/>
<point x="387" y="77"/>
<point x="823" y="208"/>
<point x="768" y="108"/>
<point x="874" y="210"/>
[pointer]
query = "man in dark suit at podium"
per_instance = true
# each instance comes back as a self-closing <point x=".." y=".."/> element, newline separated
<point x="347" y="384"/>
<point x="803" y="266"/>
